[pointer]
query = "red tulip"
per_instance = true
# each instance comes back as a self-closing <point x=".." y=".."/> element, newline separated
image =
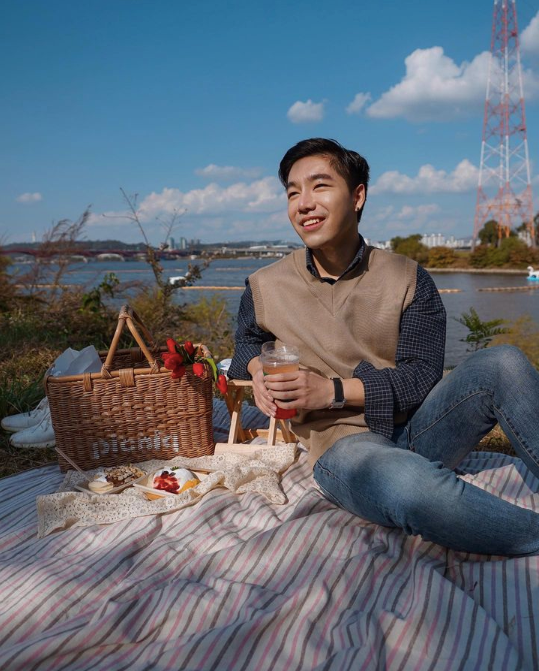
<point x="222" y="384"/>
<point x="178" y="372"/>
<point x="171" y="345"/>
<point x="198" y="369"/>
<point x="189" y="347"/>
<point x="172" y="361"/>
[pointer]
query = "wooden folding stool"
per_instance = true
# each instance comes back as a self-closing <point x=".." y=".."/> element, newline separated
<point x="238" y="437"/>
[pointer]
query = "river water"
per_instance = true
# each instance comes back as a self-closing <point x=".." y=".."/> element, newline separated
<point x="232" y="273"/>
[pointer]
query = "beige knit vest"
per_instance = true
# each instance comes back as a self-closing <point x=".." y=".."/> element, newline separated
<point x="335" y="327"/>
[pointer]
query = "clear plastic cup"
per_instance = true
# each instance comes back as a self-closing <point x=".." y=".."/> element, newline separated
<point x="276" y="359"/>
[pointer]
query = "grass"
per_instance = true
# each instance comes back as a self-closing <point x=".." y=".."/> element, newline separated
<point x="496" y="441"/>
<point x="21" y="390"/>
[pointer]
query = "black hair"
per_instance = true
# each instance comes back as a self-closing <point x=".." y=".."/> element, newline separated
<point x="350" y="165"/>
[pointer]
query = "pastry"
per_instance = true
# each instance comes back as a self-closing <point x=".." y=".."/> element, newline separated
<point x="172" y="480"/>
<point x="114" y="477"/>
<point x="100" y="484"/>
<point x="121" y="475"/>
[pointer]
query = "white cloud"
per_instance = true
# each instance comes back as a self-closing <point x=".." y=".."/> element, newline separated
<point x="227" y="172"/>
<point x="419" y="211"/>
<point x="428" y="180"/>
<point x="435" y="88"/>
<point x="29" y="197"/>
<point x="301" y="112"/>
<point x="260" y="196"/>
<point x="358" y="103"/>
<point x="272" y="226"/>
<point x="409" y="219"/>
<point x="529" y="38"/>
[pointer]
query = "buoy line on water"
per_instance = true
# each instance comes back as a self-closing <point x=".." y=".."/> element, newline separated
<point x="527" y="288"/>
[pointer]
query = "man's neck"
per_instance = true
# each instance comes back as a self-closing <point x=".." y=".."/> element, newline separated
<point x="333" y="261"/>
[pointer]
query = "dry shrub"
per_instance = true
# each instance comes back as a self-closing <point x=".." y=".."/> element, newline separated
<point x="207" y="321"/>
<point x="524" y="334"/>
<point x="210" y="322"/>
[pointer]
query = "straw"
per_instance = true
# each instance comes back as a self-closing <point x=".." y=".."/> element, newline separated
<point x="70" y="461"/>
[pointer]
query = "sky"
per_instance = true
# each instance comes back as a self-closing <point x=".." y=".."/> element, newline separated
<point x="191" y="106"/>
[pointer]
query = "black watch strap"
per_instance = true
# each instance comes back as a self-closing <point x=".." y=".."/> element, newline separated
<point x="338" y="399"/>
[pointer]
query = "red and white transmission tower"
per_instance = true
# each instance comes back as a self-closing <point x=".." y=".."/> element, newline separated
<point x="504" y="192"/>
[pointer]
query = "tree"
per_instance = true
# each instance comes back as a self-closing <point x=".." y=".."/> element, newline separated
<point x="411" y="247"/>
<point x="488" y="235"/>
<point x="441" y="257"/>
<point x="164" y="289"/>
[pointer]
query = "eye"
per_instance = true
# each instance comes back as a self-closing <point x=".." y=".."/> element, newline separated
<point x="321" y="184"/>
<point x="291" y="194"/>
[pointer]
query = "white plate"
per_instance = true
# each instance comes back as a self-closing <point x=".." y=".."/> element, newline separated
<point x="157" y="492"/>
<point x="84" y="487"/>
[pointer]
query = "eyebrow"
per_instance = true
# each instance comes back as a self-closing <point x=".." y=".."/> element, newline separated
<point x="312" y="178"/>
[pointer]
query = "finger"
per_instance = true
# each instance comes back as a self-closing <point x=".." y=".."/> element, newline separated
<point x="283" y="386"/>
<point x="267" y="411"/>
<point x="287" y="405"/>
<point x="266" y="404"/>
<point x="285" y="395"/>
<point x="281" y="377"/>
<point x="262" y="391"/>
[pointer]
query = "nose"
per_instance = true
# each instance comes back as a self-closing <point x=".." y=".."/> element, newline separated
<point x="305" y="201"/>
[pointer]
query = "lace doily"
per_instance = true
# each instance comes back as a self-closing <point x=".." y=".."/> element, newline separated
<point x="259" y="472"/>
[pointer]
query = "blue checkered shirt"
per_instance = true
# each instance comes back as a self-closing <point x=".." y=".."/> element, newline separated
<point x="418" y="361"/>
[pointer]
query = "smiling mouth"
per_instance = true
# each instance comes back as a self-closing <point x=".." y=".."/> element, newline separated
<point x="314" y="222"/>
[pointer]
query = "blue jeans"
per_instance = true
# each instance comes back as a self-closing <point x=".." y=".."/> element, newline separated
<point x="408" y="482"/>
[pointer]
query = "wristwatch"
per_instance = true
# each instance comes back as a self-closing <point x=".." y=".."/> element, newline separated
<point x="338" y="400"/>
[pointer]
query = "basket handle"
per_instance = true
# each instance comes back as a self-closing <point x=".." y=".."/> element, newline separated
<point x="129" y="316"/>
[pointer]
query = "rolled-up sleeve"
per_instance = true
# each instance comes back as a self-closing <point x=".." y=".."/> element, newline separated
<point x="419" y="360"/>
<point x="249" y="337"/>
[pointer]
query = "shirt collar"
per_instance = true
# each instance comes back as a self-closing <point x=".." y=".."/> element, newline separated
<point x="309" y="260"/>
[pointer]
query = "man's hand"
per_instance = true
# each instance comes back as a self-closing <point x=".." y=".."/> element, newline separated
<point x="303" y="389"/>
<point x="263" y="399"/>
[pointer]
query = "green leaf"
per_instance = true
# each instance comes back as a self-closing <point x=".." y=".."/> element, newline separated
<point x="210" y="360"/>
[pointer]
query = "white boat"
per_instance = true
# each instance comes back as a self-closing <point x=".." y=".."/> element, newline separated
<point x="532" y="274"/>
<point x="176" y="279"/>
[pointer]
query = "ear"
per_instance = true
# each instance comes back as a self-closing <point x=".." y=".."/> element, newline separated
<point x="359" y="197"/>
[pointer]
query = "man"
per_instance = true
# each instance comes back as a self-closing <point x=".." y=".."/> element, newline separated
<point x="383" y="429"/>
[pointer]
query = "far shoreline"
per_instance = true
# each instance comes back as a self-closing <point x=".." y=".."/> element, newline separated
<point x="479" y="271"/>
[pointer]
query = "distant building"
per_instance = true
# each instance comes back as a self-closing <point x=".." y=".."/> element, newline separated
<point x="438" y="240"/>
<point x="433" y="240"/>
<point x="525" y="237"/>
<point x="379" y="244"/>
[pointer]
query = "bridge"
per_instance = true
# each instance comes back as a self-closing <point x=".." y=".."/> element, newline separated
<point x="94" y="253"/>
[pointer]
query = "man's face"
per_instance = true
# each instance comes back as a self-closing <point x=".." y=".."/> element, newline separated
<point x="320" y="206"/>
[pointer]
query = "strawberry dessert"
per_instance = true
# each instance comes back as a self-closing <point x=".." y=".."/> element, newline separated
<point x="174" y="480"/>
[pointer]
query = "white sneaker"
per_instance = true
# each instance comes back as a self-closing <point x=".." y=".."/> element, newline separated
<point x="24" y="420"/>
<point x="41" y="435"/>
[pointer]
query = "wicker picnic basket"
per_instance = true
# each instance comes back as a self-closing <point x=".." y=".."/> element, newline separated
<point x="132" y="410"/>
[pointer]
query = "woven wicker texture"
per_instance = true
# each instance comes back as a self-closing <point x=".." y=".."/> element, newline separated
<point x="132" y="411"/>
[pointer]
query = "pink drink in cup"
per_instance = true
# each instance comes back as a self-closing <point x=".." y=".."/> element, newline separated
<point x="278" y="359"/>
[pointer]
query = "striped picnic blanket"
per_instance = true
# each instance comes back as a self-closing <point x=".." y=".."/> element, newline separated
<point x="235" y="582"/>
